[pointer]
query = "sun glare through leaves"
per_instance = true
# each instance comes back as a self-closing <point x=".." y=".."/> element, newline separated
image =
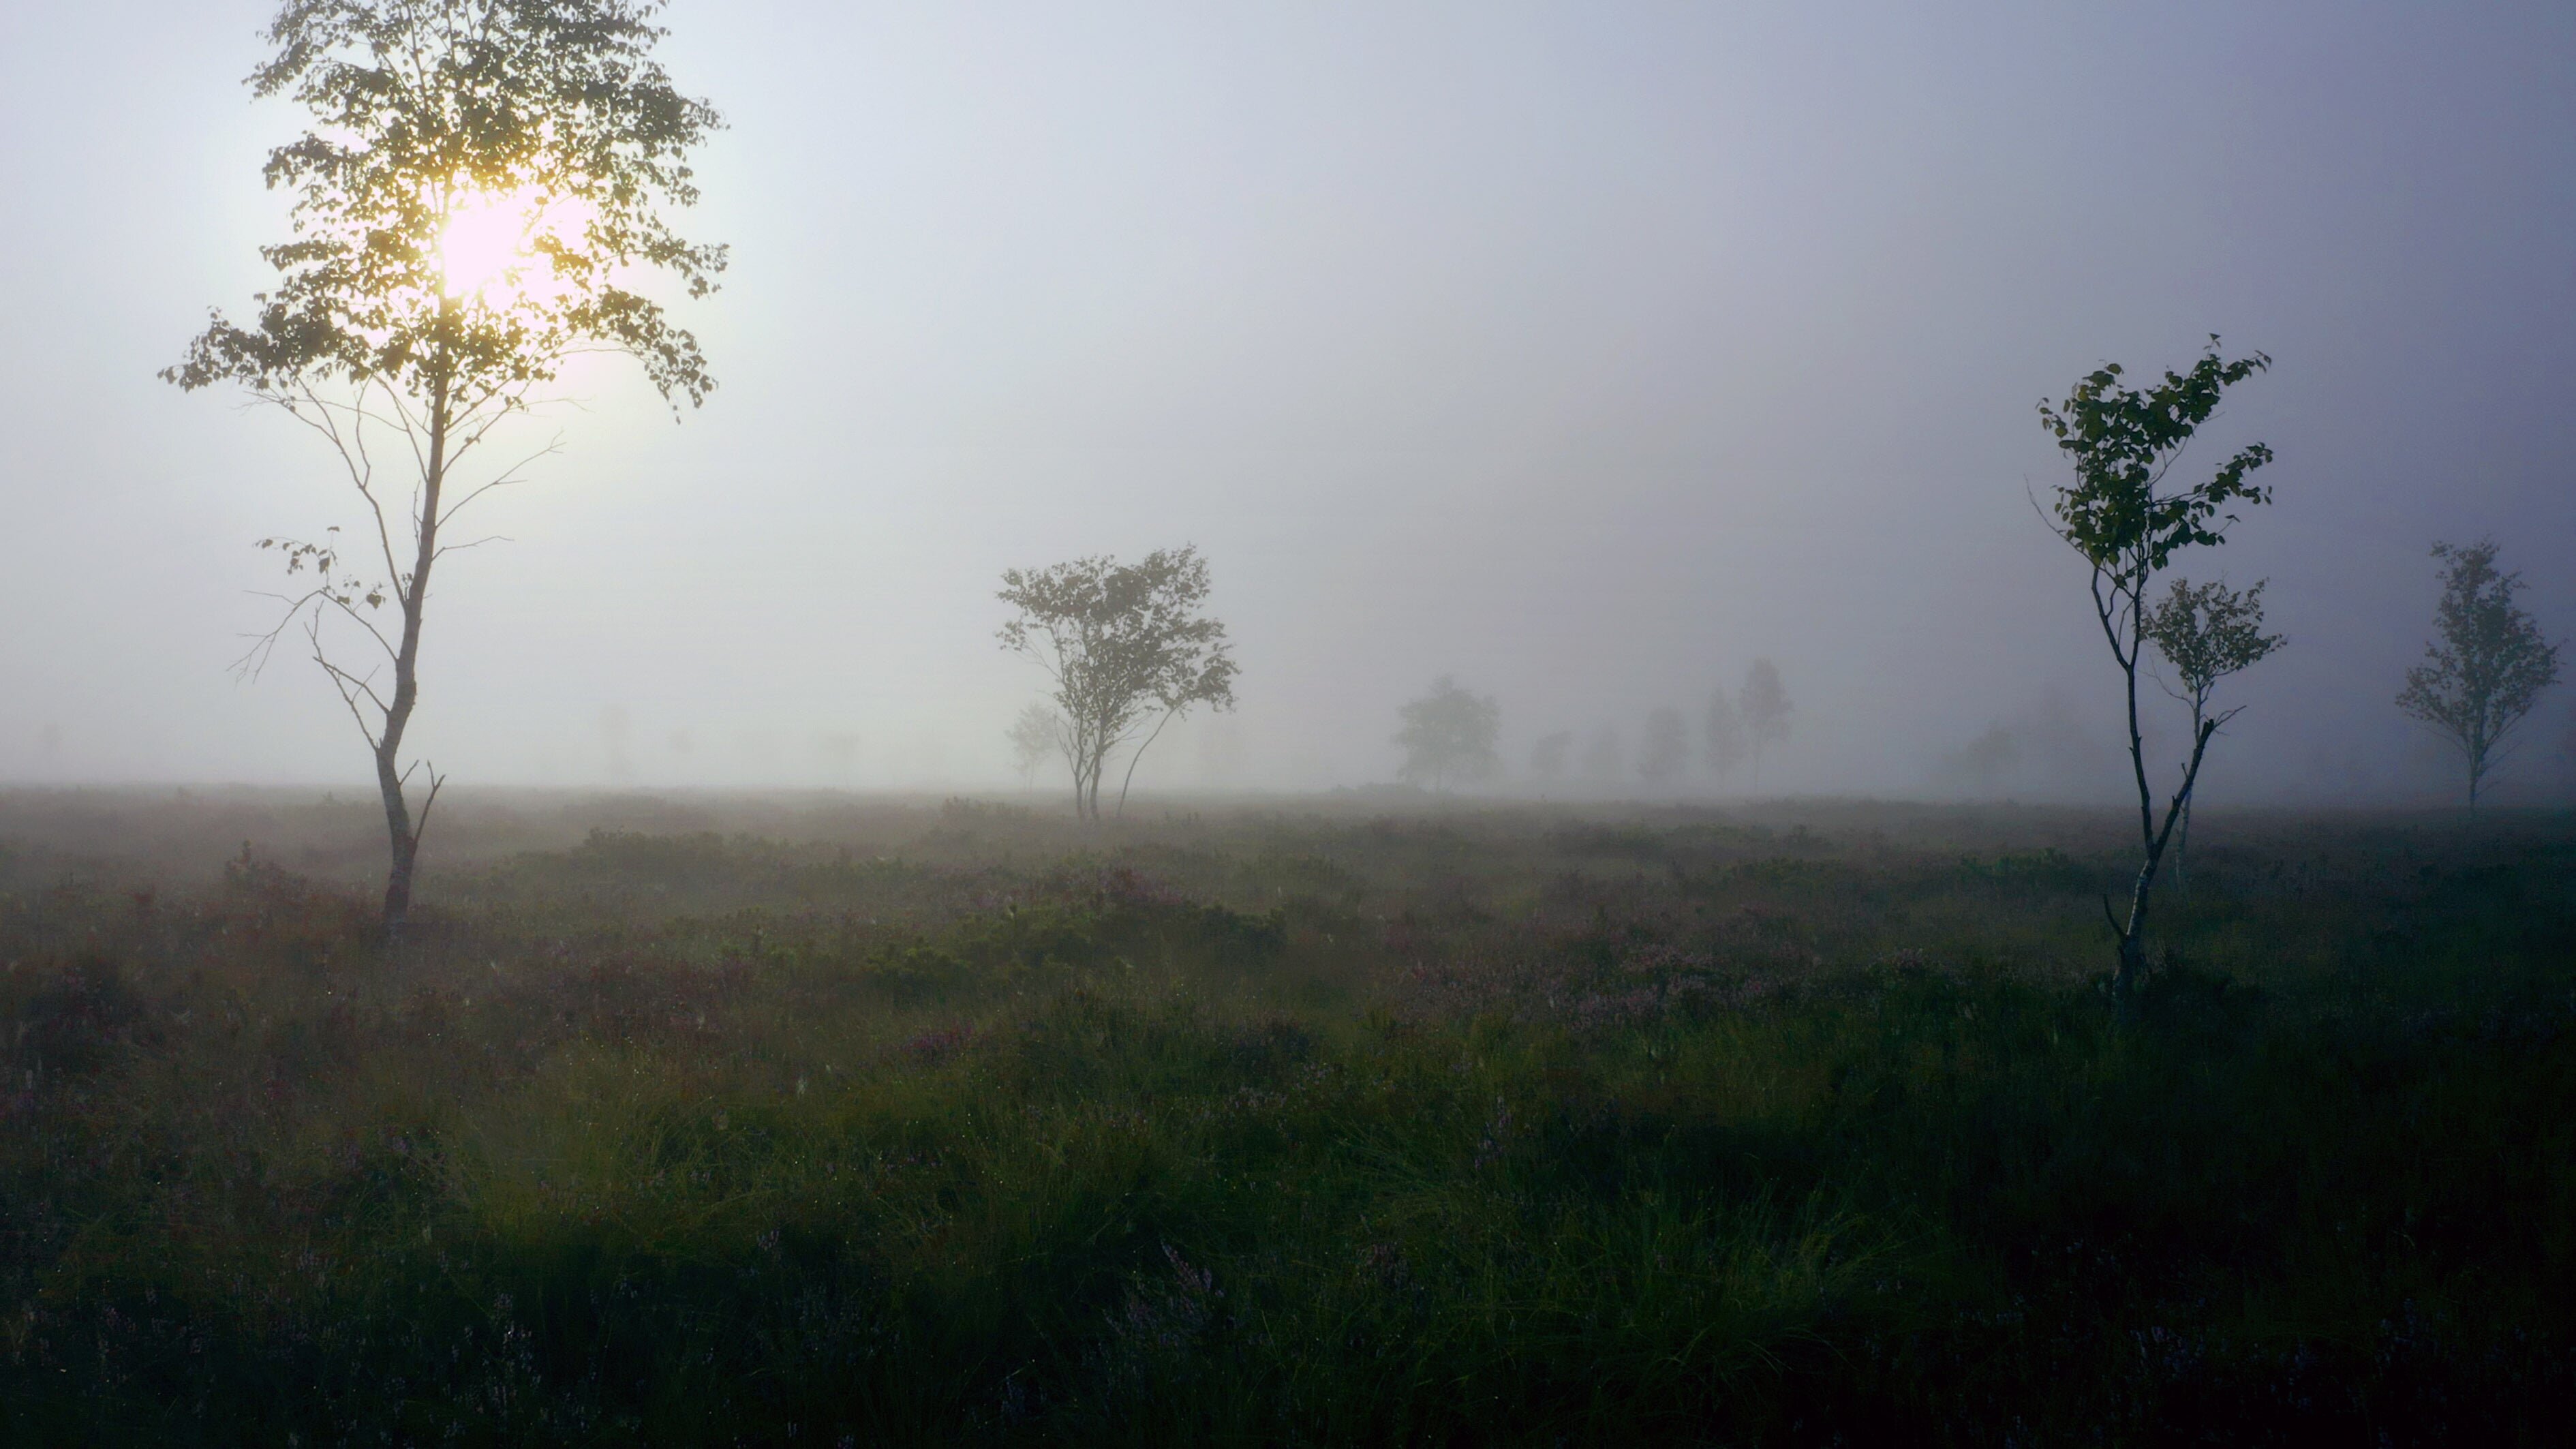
<point x="497" y="246"/>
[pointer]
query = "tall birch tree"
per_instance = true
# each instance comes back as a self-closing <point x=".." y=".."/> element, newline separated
<point x="481" y="190"/>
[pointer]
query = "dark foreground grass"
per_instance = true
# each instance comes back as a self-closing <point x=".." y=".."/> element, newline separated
<point x="1505" y="1129"/>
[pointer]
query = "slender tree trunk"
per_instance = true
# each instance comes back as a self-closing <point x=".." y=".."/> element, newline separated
<point x="2133" y="936"/>
<point x="1132" y="759"/>
<point x="400" y="829"/>
<point x="1076" y="752"/>
<point x="2130" y="973"/>
<point x="2182" y="852"/>
<point x="2182" y="842"/>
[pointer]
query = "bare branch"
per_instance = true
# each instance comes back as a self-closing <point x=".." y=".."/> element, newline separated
<point x="437" y="781"/>
<point x="348" y="688"/>
<point x="248" y="667"/>
<point x="508" y="477"/>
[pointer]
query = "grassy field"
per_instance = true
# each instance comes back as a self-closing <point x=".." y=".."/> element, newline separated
<point x="813" y="1123"/>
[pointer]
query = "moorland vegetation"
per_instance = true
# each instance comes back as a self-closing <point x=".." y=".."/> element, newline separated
<point x="972" y="1124"/>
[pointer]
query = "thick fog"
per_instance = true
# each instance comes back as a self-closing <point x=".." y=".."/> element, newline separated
<point x="1586" y="353"/>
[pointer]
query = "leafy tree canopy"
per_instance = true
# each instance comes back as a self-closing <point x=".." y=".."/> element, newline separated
<point x="2209" y="631"/>
<point x="481" y="179"/>
<point x="1448" y="735"/>
<point x="2123" y="441"/>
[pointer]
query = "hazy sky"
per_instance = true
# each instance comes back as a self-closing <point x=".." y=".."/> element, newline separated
<point x="1587" y="352"/>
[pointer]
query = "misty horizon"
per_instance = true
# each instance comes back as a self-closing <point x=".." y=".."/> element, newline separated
<point x="1585" y="361"/>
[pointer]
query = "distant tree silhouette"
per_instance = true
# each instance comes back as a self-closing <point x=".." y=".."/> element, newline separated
<point x="1984" y="760"/>
<point x="2127" y="526"/>
<point x="1548" y="756"/>
<point x="1448" y="735"/>
<point x="1123" y="644"/>
<point x="482" y="181"/>
<point x="2489" y="666"/>
<point x="1766" y="709"/>
<point x="1036" y="734"/>
<point x="2206" y="632"/>
<point x="1723" y="734"/>
<point x="1664" y="754"/>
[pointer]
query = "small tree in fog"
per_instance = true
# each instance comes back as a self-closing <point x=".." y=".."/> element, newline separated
<point x="1664" y="754"/>
<point x="1985" y="759"/>
<point x="1723" y="734"/>
<point x="1448" y="735"/>
<point x="1766" y="709"/>
<point x="2206" y="632"/>
<point x="1547" y="757"/>
<point x="482" y="183"/>
<point x="2488" y="668"/>
<point x="1036" y="734"/>
<point x="2119" y="516"/>
<point x="1124" y="644"/>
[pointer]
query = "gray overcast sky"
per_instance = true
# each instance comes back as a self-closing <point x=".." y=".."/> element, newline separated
<point x="1585" y="351"/>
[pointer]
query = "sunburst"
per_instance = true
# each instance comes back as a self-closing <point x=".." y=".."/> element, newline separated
<point x="493" y="245"/>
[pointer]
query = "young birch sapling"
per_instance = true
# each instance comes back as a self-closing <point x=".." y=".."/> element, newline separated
<point x="2206" y="632"/>
<point x="1036" y="734"/>
<point x="2127" y="524"/>
<point x="2489" y="667"/>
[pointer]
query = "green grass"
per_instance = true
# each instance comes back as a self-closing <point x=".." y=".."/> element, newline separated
<point x="1514" y="1128"/>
